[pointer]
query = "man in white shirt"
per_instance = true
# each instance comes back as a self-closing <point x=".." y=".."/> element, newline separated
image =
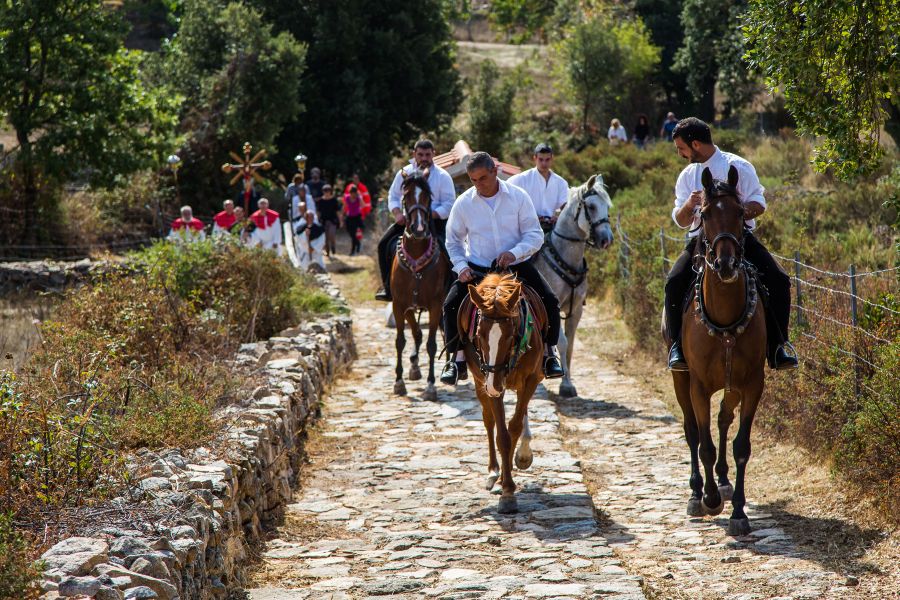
<point x="694" y="142"/>
<point x="442" y="196"/>
<point x="548" y="191"/>
<point x="493" y="222"/>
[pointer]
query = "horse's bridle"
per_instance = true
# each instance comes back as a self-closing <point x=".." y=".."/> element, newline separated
<point x="510" y="362"/>
<point x="408" y="211"/>
<point x="591" y="239"/>
<point x="718" y="190"/>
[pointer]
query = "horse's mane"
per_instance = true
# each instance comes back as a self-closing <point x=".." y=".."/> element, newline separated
<point x="497" y="291"/>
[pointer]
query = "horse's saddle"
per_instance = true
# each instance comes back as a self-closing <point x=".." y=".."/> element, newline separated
<point x="530" y="305"/>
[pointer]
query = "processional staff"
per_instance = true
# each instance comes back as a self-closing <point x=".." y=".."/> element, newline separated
<point x="247" y="169"/>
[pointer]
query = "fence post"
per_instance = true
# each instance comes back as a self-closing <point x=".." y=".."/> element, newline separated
<point x="662" y="247"/>
<point x="799" y="293"/>
<point x="854" y="318"/>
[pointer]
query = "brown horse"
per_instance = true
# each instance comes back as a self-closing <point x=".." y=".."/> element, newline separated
<point x="725" y="348"/>
<point x="418" y="281"/>
<point x="504" y="349"/>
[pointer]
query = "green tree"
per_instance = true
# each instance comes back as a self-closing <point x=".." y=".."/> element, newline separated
<point x="663" y="20"/>
<point x="241" y="83"/>
<point x="521" y="20"/>
<point x="74" y="97"/>
<point x="491" y="108"/>
<point x="380" y="73"/>
<point x="836" y="62"/>
<point x="605" y="60"/>
<point x="711" y="53"/>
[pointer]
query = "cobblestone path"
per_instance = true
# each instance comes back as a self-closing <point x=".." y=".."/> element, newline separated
<point x="397" y="506"/>
<point x="393" y="504"/>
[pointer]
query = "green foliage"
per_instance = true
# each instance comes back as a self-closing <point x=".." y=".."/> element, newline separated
<point x="712" y="53"/>
<point x="522" y="20"/>
<point x="491" y="108"/>
<point x="662" y="18"/>
<point x="836" y="64"/>
<point x="393" y="82"/>
<point x="604" y="60"/>
<point x="139" y="359"/>
<point x="75" y="96"/>
<point x="240" y="83"/>
<point x="19" y="577"/>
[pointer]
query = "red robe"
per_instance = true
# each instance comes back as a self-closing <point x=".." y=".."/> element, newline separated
<point x="225" y="220"/>
<point x="264" y="220"/>
<point x="195" y="224"/>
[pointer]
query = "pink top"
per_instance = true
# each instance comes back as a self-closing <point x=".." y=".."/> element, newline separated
<point x="353" y="208"/>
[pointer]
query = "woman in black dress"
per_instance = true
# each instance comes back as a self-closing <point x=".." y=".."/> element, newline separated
<point x="330" y="217"/>
<point x="641" y="131"/>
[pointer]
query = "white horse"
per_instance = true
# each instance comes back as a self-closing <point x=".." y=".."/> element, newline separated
<point x="584" y="220"/>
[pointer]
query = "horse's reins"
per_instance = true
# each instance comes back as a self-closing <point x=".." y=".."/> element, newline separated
<point x="523" y="332"/>
<point x="727" y="333"/>
<point x="417" y="266"/>
<point x="572" y="276"/>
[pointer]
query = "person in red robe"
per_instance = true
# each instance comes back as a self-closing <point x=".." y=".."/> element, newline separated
<point x="223" y="221"/>
<point x="267" y="228"/>
<point x="187" y="227"/>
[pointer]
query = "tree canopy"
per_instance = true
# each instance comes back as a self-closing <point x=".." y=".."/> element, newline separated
<point x="491" y="108"/>
<point x="836" y="62"/>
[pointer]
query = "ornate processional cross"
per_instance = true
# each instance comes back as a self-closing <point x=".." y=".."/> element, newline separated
<point x="247" y="169"/>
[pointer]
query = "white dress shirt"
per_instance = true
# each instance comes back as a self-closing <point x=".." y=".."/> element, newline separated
<point x="547" y="195"/>
<point x="443" y="193"/>
<point x="748" y="187"/>
<point x="479" y="234"/>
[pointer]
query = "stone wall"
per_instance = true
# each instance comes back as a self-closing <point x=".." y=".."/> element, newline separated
<point x="224" y="499"/>
<point x="46" y="275"/>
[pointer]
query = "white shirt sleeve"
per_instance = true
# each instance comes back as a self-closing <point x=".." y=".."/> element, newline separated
<point x="530" y="228"/>
<point x="445" y="197"/>
<point x="395" y="199"/>
<point x="749" y="187"/>
<point x="683" y="191"/>
<point x="562" y="194"/>
<point x="456" y="235"/>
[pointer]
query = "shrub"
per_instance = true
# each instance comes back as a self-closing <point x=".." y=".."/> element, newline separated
<point x="18" y="574"/>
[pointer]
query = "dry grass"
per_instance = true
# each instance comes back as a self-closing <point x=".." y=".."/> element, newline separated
<point x="19" y="334"/>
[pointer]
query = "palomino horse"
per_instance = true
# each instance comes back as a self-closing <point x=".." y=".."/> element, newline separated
<point x="504" y="348"/>
<point x="725" y="348"/>
<point x="418" y="281"/>
<point x="584" y="221"/>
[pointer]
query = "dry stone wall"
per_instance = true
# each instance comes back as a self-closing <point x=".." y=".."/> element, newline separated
<point x="47" y="275"/>
<point x="222" y="500"/>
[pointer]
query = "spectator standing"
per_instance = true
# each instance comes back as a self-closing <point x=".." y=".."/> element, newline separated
<point x="353" y="205"/>
<point x="330" y="218"/>
<point x="315" y="183"/>
<point x="187" y="228"/>
<point x="363" y="191"/>
<point x="668" y="126"/>
<point x="294" y="190"/>
<point x="616" y="133"/>
<point x="641" y="131"/>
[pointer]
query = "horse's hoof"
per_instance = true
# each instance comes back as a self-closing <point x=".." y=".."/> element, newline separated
<point x="430" y="394"/>
<point x="491" y="480"/>
<point x="508" y="505"/>
<point x="414" y="373"/>
<point x="524" y="461"/>
<point x="567" y="390"/>
<point x="739" y="527"/>
<point x="726" y="491"/>
<point x="712" y="511"/>
<point x="693" y="508"/>
<point x="400" y="387"/>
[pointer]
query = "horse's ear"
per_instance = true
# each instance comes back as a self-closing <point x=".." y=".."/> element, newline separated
<point x="475" y="297"/>
<point x="706" y="178"/>
<point x="732" y="176"/>
<point x="425" y="172"/>
<point x="514" y="298"/>
<point x="404" y="174"/>
<point x="590" y="182"/>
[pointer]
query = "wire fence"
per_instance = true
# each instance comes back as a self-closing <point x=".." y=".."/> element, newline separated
<point x="841" y="312"/>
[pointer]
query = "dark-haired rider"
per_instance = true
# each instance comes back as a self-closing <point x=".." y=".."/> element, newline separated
<point x="443" y="193"/>
<point x="693" y="140"/>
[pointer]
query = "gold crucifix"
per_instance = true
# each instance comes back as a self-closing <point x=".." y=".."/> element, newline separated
<point x="247" y="169"/>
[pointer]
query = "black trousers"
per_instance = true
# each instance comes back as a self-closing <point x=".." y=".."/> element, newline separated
<point x="778" y="313"/>
<point x="352" y="224"/>
<point x="524" y="271"/>
<point x="385" y="246"/>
